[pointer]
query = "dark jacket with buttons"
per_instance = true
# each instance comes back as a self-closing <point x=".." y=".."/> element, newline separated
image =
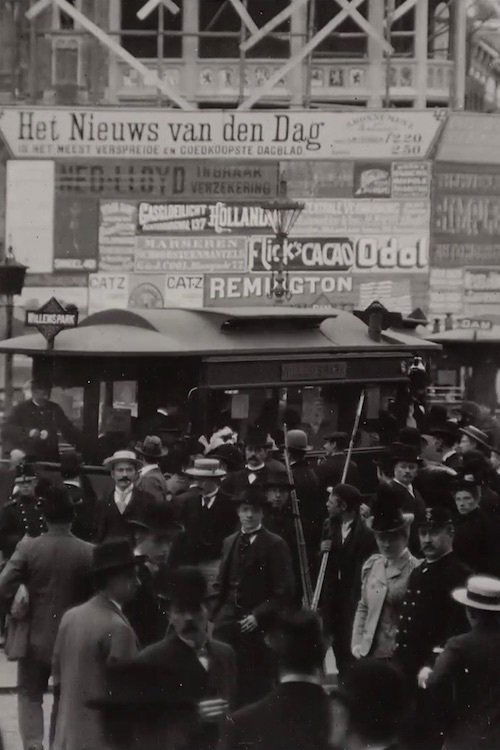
<point x="19" y="517"/>
<point x="429" y="615"/>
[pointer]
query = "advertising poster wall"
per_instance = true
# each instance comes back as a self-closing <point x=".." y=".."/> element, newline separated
<point x="465" y="224"/>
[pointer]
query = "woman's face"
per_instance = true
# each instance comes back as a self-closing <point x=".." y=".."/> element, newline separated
<point x="391" y="544"/>
<point x="465" y="502"/>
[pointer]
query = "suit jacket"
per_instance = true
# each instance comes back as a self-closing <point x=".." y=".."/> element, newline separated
<point x="329" y="471"/>
<point x="56" y="569"/>
<point x="295" y="716"/>
<point x="111" y="523"/>
<point x="267" y="578"/>
<point x="467" y="673"/>
<point x="476" y="543"/>
<point x="412" y="504"/>
<point x="342" y="587"/>
<point x="311" y="504"/>
<point x="154" y="483"/>
<point x="27" y="416"/>
<point x="206" y="529"/>
<point x="429" y="615"/>
<point x="92" y="638"/>
<point x="174" y="662"/>
<point x="377" y="581"/>
<point x="237" y="481"/>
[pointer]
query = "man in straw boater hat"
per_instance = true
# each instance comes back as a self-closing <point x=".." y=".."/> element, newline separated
<point x="255" y="573"/>
<point x="23" y="514"/>
<point x="91" y="639"/>
<point x="125" y="502"/>
<point x="468" y="671"/>
<point x="151" y="479"/>
<point x="208" y="516"/>
<point x="474" y="439"/>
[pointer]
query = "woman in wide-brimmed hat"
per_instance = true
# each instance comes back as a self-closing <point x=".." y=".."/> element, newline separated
<point x="384" y="578"/>
<point x="468" y="671"/>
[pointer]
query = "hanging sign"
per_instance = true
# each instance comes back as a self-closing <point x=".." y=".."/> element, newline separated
<point x="52" y="318"/>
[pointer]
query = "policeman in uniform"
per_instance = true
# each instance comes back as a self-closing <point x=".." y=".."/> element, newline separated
<point x="23" y="513"/>
<point x="429" y="616"/>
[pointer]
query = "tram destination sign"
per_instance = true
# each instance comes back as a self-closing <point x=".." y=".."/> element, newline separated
<point x="313" y="370"/>
<point x="52" y="318"/>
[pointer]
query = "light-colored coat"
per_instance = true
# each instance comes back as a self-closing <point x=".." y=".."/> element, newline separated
<point x="55" y="567"/>
<point x="91" y="638"/>
<point x="376" y="579"/>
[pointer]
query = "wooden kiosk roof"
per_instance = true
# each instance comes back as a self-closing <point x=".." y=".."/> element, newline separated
<point x="186" y="332"/>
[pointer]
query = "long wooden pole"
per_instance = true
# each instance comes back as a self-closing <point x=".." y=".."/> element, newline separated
<point x="305" y="575"/>
<point x="324" y="559"/>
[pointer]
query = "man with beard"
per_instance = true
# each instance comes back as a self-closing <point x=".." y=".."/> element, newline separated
<point x="125" y="503"/>
<point x="258" y="464"/>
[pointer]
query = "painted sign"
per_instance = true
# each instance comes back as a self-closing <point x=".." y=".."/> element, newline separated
<point x="75" y="233"/>
<point x="117" y="226"/>
<point x="363" y="217"/>
<point x="218" y="218"/>
<point x="118" y="133"/>
<point x="200" y="254"/>
<point x="108" y="290"/>
<point x="203" y="180"/>
<point x="475" y="324"/>
<point x="52" y="318"/>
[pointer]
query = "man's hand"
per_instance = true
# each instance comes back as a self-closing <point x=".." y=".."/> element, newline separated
<point x="248" y="624"/>
<point x="34" y="433"/>
<point x="326" y="545"/>
<point x="213" y="709"/>
<point x="423" y="677"/>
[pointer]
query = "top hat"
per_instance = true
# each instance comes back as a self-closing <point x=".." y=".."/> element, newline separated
<point x="481" y="592"/>
<point x="277" y="479"/>
<point x="436" y="517"/>
<point x="411" y="436"/>
<point x="448" y="429"/>
<point x="57" y="506"/>
<point x="297" y="440"/>
<point x="387" y="514"/>
<point x="114" y="554"/>
<point x="402" y="452"/>
<point x="252" y="495"/>
<point x="257" y="438"/>
<point x="206" y="468"/>
<point x="25" y="472"/>
<point x="123" y="455"/>
<point x="229" y="454"/>
<point x="474" y="433"/>
<point x="151" y="447"/>
<point x="159" y="519"/>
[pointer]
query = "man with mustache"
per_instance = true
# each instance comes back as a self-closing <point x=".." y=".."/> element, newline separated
<point x="126" y="502"/>
<point x="258" y="464"/>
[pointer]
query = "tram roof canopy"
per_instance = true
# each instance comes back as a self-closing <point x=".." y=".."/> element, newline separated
<point x="185" y="332"/>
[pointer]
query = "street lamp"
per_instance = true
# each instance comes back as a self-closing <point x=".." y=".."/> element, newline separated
<point x="281" y="215"/>
<point x="11" y="282"/>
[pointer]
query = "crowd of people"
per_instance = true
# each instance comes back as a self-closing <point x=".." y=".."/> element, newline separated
<point x="171" y="610"/>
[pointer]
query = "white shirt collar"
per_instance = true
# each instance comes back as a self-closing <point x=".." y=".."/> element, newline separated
<point x="408" y="487"/>
<point x="212" y="496"/>
<point x="448" y="454"/>
<point x="119" y="606"/>
<point x="255" y="468"/>
<point x="252" y="534"/>
<point x="147" y="468"/>
<point x="73" y="482"/>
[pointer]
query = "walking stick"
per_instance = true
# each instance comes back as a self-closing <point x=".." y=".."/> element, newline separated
<point x="324" y="559"/>
<point x="305" y="576"/>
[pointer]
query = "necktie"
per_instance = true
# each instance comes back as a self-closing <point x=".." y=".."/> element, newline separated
<point x="206" y="501"/>
<point x="121" y="500"/>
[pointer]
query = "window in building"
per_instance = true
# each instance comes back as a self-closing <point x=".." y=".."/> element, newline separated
<point x="439" y="32"/>
<point x="347" y="39"/>
<point x="143" y="38"/>
<point x="403" y="33"/>
<point x="220" y="27"/>
<point x="62" y="20"/>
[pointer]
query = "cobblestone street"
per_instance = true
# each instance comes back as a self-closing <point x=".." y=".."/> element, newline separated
<point x="8" y="706"/>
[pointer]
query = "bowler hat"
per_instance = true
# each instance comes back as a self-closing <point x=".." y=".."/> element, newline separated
<point x="411" y="436"/>
<point x="114" y="554"/>
<point x="159" y="519"/>
<point x="252" y="495"/>
<point x="71" y="464"/>
<point x="387" y="514"/>
<point x="123" y="455"/>
<point x="297" y="440"/>
<point x="347" y="492"/>
<point x="448" y="429"/>
<point x="206" y="468"/>
<point x="257" y="438"/>
<point x="407" y="453"/>
<point x="277" y="479"/>
<point x="436" y="517"/>
<point x="481" y="592"/>
<point x="188" y="588"/>
<point x="151" y="447"/>
<point x="474" y="433"/>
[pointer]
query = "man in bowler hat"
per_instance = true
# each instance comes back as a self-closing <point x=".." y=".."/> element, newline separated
<point x="151" y="479"/>
<point x="93" y="638"/>
<point x="258" y="463"/>
<point x="255" y="573"/>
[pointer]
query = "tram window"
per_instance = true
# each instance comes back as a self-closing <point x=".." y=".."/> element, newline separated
<point x="71" y="402"/>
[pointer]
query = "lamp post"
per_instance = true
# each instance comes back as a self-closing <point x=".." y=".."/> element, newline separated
<point x="282" y="215"/>
<point x="11" y="282"/>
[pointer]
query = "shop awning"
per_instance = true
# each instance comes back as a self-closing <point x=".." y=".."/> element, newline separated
<point x="470" y="137"/>
<point x="184" y="332"/>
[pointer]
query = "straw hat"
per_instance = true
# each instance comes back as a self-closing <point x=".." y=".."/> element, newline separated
<point x="481" y="592"/>
<point x="206" y="468"/>
<point x="474" y="433"/>
<point x="124" y="455"/>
